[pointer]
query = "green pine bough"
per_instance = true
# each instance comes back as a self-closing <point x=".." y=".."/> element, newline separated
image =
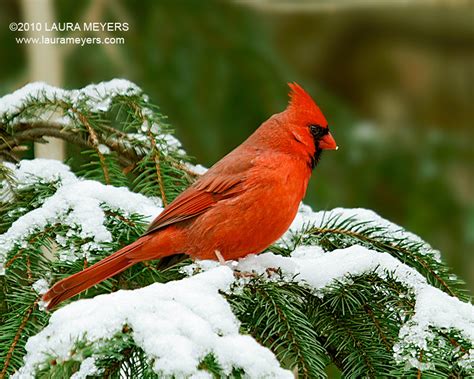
<point x="344" y="289"/>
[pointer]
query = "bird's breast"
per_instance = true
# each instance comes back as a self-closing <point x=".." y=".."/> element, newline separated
<point x="251" y="221"/>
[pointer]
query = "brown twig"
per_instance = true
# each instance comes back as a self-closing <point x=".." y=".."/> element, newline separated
<point x="382" y="336"/>
<point x="156" y="158"/>
<point x="418" y="375"/>
<point x="28" y="268"/>
<point x="95" y="143"/>
<point x="156" y="155"/>
<point x="34" y="131"/>
<point x="14" y="258"/>
<point x="24" y="321"/>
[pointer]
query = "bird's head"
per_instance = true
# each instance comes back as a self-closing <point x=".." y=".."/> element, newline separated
<point x="307" y="124"/>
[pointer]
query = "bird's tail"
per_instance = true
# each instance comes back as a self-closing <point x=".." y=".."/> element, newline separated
<point x="102" y="270"/>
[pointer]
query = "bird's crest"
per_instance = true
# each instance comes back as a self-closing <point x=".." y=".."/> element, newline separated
<point x="301" y="102"/>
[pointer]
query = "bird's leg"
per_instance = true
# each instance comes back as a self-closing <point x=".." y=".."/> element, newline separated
<point x="219" y="257"/>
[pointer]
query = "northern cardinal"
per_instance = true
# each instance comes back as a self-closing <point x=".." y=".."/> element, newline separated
<point x="240" y="206"/>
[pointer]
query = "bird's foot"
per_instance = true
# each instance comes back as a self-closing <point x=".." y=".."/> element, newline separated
<point x="273" y="270"/>
<point x="244" y="275"/>
<point x="270" y="271"/>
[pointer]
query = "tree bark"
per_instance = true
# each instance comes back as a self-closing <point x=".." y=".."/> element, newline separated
<point x="44" y="64"/>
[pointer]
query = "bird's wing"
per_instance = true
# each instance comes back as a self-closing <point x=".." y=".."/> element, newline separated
<point x="197" y="199"/>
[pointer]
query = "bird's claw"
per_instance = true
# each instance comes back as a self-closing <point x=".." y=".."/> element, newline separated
<point x="244" y="274"/>
<point x="270" y="271"/>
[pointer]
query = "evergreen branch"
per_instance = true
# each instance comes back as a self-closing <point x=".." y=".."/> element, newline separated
<point x="21" y="300"/>
<point x="31" y="108"/>
<point x="28" y="269"/>
<point x="24" y="126"/>
<point x="350" y="313"/>
<point x="293" y="341"/>
<point x="34" y="131"/>
<point x="272" y="313"/>
<point x="9" y="156"/>
<point x="358" y="347"/>
<point x="38" y="236"/>
<point x="17" y="337"/>
<point x="117" y="215"/>
<point x="211" y="365"/>
<point x="454" y="342"/>
<point x="340" y="233"/>
<point x="121" y="355"/>
<point x="133" y="153"/>
<point x="95" y="169"/>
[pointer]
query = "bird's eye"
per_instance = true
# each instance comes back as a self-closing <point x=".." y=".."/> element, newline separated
<point x="318" y="131"/>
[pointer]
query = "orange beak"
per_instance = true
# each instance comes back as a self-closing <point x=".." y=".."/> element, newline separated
<point x="328" y="142"/>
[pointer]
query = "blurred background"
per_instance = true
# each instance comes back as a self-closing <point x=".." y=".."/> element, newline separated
<point x="395" y="80"/>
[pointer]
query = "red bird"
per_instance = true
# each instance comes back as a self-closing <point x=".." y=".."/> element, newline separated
<point x="243" y="204"/>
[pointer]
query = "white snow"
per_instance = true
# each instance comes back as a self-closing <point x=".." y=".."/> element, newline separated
<point x="97" y="96"/>
<point x="317" y="269"/>
<point x="434" y="308"/>
<point x="103" y="149"/>
<point x="11" y="103"/>
<point x="177" y="324"/>
<point x="29" y="172"/>
<point x="196" y="169"/>
<point x="87" y="368"/>
<point x="41" y="286"/>
<point x="311" y="266"/>
<point x="77" y="203"/>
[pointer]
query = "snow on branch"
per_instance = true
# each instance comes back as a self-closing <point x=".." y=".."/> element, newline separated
<point x="79" y="204"/>
<point x="434" y="309"/>
<point x="306" y="219"/>
<point x="113" y="123"/>
<point x="98" y="97"/>
<point x="177" y="324"/>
